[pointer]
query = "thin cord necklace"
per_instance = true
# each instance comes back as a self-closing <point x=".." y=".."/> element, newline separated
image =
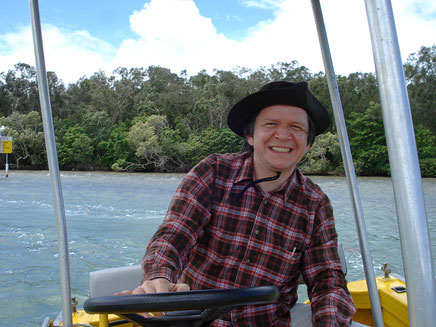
<point x="266" y="179"/>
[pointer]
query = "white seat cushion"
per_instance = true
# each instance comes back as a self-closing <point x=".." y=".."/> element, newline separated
<point x="107" y="282"/>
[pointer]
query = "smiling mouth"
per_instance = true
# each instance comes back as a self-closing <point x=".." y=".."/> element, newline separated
<point x="280" y="149"/>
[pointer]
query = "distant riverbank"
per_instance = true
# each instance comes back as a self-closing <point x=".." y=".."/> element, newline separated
<point x="100" y="170"/>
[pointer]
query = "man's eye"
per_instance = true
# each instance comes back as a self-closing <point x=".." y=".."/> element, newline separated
<point x="270" y="124"/>
<point x="296" y="128"/>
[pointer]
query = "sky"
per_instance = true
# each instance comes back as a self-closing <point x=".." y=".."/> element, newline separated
<point x="82" y="37"/>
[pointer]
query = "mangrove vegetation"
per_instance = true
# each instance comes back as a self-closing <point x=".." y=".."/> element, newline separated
<point x="154" y="120"/>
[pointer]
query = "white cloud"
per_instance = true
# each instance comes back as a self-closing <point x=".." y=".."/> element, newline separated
<point x="70" y="54"/>
<point x="416" y="24"/>
<point x="182" y="39"/>
<point x="16" y="47"/>
<point x="179" y="38"/>
<point x="173" y="34"/>
<point x="291" y="35"/>
<point x="263" y="4"/>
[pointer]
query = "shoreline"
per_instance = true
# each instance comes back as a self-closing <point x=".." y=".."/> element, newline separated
<point x="333" y="174"/>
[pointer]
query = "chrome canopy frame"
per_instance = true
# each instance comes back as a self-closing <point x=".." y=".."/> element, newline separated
<point x="403" y="160"/>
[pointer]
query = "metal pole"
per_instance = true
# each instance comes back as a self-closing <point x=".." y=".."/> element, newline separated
<point x="7" y="166"/>
<point x="64" y="267"/>
<point x="348" y="165"/>
<point x="403" y="158"/>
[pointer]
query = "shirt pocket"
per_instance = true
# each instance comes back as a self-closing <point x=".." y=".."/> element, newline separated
<point x="284" y="262"/>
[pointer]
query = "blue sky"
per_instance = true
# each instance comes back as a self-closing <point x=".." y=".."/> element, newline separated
<point x="82" y="37"/>
<point x="108" y="19"/>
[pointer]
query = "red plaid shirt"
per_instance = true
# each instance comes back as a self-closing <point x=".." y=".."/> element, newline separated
<point x="208" y="240"/>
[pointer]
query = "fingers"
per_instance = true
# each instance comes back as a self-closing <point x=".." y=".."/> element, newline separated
<point x="138" y="290"/>
<point x="180" y="288"/>
<point x="125" y="292"/>
<point x="162" y="285"/>
<point x="158" y="285"/>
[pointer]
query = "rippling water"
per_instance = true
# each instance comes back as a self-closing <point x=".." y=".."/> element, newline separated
<point x="111" y="216"/>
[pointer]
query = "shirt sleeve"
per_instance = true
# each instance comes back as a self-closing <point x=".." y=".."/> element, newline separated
<point x="168" y="250"/>
<point x="331" y="301"/>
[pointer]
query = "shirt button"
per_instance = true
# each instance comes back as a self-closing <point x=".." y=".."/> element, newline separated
<point x="265" y="202"/>
<point x="247" y="261"/>
<point x="257" y="232"/>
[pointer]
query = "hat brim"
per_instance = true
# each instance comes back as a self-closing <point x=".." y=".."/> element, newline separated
<point x="298" y="95"/>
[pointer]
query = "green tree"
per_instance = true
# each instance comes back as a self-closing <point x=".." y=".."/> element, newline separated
<point x="75" y="149"/>
<point x="116" y="149"/>
<point x="357" y="91"/>
<point x="28" y="138"/>
<point x="420" y="72"/>
<point x="90" y="95"/>
<point x="171" y="121"/>
<point x="97" y="125"/>
<point x="163" y="93"/>
<point x="323" y="157"/>
<point x="426" y="146"/>
<point x="144" y="137"/>
<point x="211" y="141"/>
<point x="58" y="96"/>
<point x="290" y="71"/>
<point x="319" y="87"/>
<point x="126" y="85"/>
<point x="368" y="142"/>
<point x="212" y="97"/>
<point x="20" y="86"/>
<point x="5" y="98"/>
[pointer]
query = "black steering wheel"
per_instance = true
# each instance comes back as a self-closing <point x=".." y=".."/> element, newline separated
<point x="187" y="309"/>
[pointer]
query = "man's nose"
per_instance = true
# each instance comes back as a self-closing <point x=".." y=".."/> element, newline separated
<point x="283" y="133"/>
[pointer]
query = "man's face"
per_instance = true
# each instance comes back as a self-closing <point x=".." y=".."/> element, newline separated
<point x="279" y="140"/>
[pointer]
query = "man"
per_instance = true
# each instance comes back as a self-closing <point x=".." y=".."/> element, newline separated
<point x="252" y="218"/>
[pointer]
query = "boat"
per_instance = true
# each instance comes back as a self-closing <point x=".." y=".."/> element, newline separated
<point x="393" y="298"/>
<point x="388" y="300"/>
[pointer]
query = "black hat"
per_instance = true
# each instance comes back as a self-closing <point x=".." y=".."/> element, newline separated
<point x="278" y="93"/>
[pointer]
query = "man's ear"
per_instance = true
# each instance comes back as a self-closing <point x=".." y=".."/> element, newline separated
<point x="249" y="139"/>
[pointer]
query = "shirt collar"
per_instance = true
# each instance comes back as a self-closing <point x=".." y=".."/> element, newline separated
<point x="246" y="173"/>
<point x="290" y="183"/>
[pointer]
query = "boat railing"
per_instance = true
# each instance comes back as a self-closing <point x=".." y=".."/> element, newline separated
<point x="404" y="164"/>
<point x="53" y="164"/>
<point x="348" y="165"/>
<point x="403" y="160"/>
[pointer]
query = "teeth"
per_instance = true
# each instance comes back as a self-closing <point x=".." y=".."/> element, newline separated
<point x="280" y="149"/>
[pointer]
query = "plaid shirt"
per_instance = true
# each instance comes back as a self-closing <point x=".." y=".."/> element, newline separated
<point x="208" y="240"/>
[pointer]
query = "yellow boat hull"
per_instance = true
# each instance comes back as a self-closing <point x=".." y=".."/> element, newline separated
<point x="394" y="304"/>
<point x="81" y="317"/>
<point x="102" y="320"/>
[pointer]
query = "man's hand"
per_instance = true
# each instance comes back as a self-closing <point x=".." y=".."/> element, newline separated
<point x="158" y="285"/>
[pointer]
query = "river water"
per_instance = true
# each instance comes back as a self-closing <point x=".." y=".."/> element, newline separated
<point x="111" y="216"/>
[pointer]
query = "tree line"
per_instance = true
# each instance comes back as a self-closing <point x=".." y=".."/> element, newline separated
<point x="151" y="119"/>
